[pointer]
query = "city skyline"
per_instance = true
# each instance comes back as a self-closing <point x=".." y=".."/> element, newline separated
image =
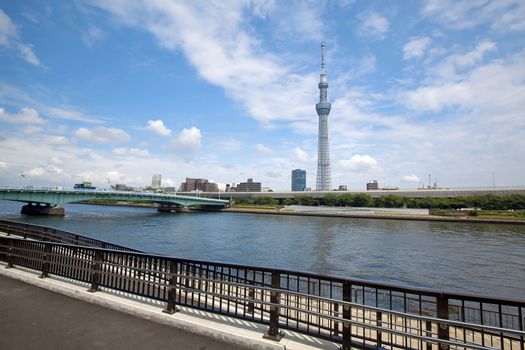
<point x="121" y="90"/>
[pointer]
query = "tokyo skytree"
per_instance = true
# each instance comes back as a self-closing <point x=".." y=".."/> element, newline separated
<point x="324" y="181"/>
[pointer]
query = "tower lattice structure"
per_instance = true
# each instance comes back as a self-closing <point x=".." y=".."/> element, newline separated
<point x="324" y="178"/>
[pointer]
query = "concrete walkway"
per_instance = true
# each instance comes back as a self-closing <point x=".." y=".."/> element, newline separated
<point x="59" y="313"/>
<point x="35" y="318"/>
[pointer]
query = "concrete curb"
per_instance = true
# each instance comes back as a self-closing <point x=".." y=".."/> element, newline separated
<point x="255" y="341"/>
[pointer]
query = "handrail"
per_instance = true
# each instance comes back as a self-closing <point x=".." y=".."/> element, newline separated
<point x="270" y="289"/>
<point x="318" y="305"/>
<point x="334" y="278"/>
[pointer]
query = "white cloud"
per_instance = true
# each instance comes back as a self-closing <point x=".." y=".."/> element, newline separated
<point x="263" y="149"/>
<point x="3" y="165"/>
<point x="360" y="163"/>
<point x="31" y="129"/>
<point x="158" y="127"/>
<point x="92" y="35"/>
<point x="301" y="155"/>
<point x="411" y="179"/>
<point x="373" y="25"/>
<point x="25" y="116"/>
<point x="501" y="15"/>
<point x="39" y="171"/>
<point x="131" y="152"/>
<point x="9" y="38"/>
<point x="217" y="40"/>
<point x="102" y="135"/>
<point x="415" y="47"/>
<point x="69" y="113"/>
<point x="187" y="143"/>
<point x="496" y="87"/>
<point x="57" y="140"/>
<point x="229" y="144"/>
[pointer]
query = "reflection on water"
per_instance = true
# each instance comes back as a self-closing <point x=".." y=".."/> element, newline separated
<point x="479" y="258"/>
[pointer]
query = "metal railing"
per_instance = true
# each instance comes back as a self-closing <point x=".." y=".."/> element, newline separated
<point x="355" y="313"/>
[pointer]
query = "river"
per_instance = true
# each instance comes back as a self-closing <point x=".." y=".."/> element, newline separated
<point x="487" y="259"/>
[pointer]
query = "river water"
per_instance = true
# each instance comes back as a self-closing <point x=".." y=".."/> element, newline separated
<point x="463" y="257"/>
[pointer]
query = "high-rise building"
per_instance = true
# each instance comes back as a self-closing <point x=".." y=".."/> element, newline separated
<point x="156" y="181"/>
<point x="324" y="181"/>
<point x="298" y="180"/>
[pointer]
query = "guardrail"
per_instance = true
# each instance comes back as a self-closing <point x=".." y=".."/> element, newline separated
<point x="355" y="313"/>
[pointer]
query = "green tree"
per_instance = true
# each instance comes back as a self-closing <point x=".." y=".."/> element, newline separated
<point x="265" y="201"/>
<point x="362" y="200"/>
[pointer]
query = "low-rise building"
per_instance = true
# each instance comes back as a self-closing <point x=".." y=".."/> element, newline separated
<point x="372" y="185"/>
<point x="248" y="186"/>
<point x="191" y="185"/>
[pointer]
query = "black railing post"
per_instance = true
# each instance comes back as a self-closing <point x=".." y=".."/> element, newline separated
<point x="347" y="314"/>
<point x="45" y="261"/>
<point x="429" y="334"/>
<point x="10" y="255"/>
<point x="275" y="298"/>
<point x="379" y="322"/>
<point x="251" y="295"/>
<point x="442" y="312"/>
<point x="171" y="306"/>
<point x="96" y="266"/>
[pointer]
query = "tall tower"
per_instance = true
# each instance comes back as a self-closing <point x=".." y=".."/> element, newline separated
<point x="324" y="179"/>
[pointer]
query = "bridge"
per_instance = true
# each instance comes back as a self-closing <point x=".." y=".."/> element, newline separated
<point x="50" y="201"/>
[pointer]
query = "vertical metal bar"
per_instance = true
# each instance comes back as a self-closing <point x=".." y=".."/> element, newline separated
<point x="95" y="274"/>
<point x="501" y="326"/>
<point x="520" y="315"/>
<point x="10" y="255"/>
<point x="347" y="314"/>
<point x="379" y="322"/>
<point x="171" y="306"/>
<point x="442" y="312"/>
<point x="429" y="334"/>
<point x="482" y="323"/>
<point x="273" y="331"/>
<point x="251" y="293"/>
<point x="45" y="261"/>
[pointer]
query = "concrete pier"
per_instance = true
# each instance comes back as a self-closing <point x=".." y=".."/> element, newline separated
<point x="42" y="209"/>
<point x="170" y="208"/>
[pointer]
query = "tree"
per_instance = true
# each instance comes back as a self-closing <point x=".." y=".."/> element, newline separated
<point x="362" y="200"/>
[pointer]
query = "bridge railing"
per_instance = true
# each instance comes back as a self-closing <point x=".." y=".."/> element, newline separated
<point x="354" y="313"/>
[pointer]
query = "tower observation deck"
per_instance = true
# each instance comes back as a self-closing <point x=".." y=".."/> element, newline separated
<point x="324" y="181"/>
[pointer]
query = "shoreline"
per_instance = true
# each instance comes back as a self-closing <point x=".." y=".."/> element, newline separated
<point x="375" y="216"/>
<point x="337" y="215"/>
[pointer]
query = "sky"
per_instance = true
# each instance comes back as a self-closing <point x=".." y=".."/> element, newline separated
<point x="114" y="91"/>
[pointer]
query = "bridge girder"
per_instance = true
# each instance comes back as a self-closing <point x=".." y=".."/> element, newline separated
<point x="60" y="197"/>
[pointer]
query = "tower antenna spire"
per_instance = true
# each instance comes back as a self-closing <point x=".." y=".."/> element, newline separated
<point x="322" y="58"/>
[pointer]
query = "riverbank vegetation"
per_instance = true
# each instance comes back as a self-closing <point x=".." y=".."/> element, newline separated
<point x="487" y="202"/>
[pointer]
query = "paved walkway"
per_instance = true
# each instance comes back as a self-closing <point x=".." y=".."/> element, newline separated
<point x="35" y="318"/>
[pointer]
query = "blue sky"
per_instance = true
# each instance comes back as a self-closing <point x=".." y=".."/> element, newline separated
<point x="226" y="90"/>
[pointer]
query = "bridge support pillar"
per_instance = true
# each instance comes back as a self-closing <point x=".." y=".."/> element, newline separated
<point x="170" y="208"/>
<point x="39" y="209"/>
